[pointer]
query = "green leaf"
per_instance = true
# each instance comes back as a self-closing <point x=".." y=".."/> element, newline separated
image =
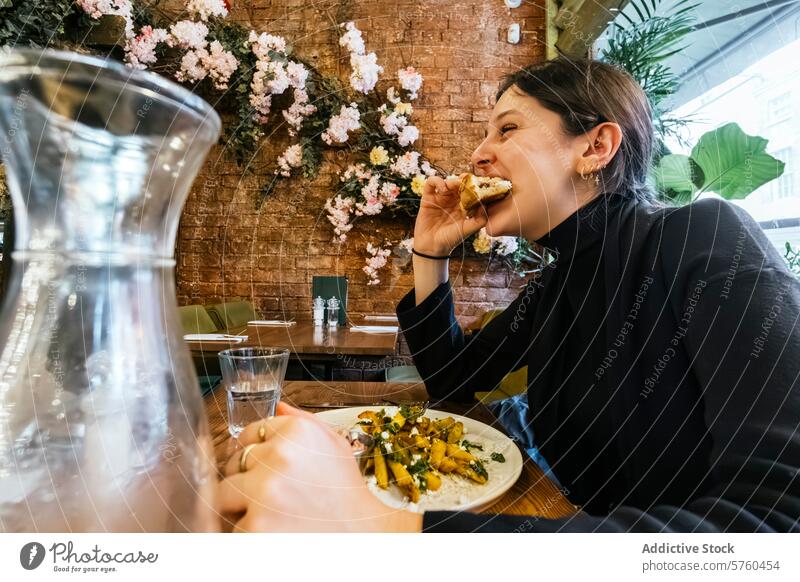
<point x="734" y="164"/>
<point x="679" y="174"/>
<point x="498" y="457"/>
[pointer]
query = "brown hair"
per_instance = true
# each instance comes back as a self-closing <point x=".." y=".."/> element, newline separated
<point x="586" y="93"/>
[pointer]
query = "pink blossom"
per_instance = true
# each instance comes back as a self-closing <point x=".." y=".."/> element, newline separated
<point x="339" y="210"/>
<point x="192" y="68"/>
<point x="406" y="165"/>
<point x="140" y="50"/>
<point x="297" y="74"/>
<point x="298" y="111"/>
<point x="389" y="193"/>
<point x="372" y="204"/>
<point x="375" y="262"/>
<point x="272" y="77"/>
<point x="358" y="171"/>
<point x="221" y="64"/>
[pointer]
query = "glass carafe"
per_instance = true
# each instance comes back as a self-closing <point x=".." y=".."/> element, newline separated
<point x="102" y="426"/>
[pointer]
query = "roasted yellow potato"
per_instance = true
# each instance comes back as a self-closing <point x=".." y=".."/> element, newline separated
<point x="413" y="451"/>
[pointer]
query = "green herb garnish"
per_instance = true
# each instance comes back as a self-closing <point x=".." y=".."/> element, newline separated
<point x="479" y="469"/>
<point x="498" y="457"/>
<point x="419" y="467"/>
<point x="468" y="445"/>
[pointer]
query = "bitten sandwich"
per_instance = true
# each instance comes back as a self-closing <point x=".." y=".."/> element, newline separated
<point x="477" y="190"/>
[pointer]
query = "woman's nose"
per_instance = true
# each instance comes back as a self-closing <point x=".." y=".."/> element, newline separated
<point x="481" y="160"/>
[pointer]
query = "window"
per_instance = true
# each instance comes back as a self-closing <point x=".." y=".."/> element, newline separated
<point x="764" y="99"/>
<point x="779" y="108"/>
<point x="782" y="187"/>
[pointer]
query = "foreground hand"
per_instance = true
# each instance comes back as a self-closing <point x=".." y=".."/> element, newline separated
<point x="302" y="478"/>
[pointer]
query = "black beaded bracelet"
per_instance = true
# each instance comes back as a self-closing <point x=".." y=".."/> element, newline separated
<point x="434" y="257"/>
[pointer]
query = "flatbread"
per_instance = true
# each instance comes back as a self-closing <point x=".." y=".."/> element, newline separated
<point x="478" y="190"/>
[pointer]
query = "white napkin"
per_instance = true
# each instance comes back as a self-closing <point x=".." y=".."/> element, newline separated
<point x="214" y="337"/>
<point x="380" y="317"/>
<point x="375" y="328"/>
<point x="271" y="322"/>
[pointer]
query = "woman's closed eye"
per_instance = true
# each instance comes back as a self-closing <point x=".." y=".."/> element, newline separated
<point x="506" y="128"/>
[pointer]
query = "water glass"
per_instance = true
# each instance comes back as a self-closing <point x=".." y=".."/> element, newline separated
<point x="253" y="378"/>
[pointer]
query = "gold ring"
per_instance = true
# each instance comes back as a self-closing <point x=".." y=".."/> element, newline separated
<point x="243" y="458"/>
<point x="262" y="433"/>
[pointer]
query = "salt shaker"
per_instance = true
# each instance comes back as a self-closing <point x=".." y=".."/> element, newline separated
<point x="333" y="312"/>
<point x="319" y="311"/>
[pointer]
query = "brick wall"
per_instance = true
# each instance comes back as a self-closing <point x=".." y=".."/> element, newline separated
<point x="228" y="248"/>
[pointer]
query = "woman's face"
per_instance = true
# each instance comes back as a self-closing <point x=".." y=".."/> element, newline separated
<point x="525" y="143"/>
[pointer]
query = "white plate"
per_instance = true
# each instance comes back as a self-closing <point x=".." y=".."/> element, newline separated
<point x="456" y="492"/>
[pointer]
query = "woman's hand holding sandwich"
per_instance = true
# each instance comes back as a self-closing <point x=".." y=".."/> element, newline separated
<point x="441" y="226"/>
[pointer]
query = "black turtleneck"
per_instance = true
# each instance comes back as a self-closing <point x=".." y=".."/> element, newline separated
<point x="663" y="354"/>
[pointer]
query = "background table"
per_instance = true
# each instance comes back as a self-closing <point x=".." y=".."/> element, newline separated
<point x="304" y="339"/>
<point x="339" y="347"/>
<point x="533" y="494"/>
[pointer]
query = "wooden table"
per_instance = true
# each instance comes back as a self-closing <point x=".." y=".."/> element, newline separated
<point x="533" y="494"/>
<point x="304" y="339"/>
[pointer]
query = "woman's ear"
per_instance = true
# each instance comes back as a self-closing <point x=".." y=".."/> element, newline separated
<point x="600" y="145"/>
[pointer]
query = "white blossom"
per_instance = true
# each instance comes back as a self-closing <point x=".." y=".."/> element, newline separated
<point x="188" y="34"/>
<point x="408" y="135"/>
<point x="365" y="72"/>
<point x="348" y="119"/>
<point x="99" y="8"/>
<point x="291" y="158"/>
<point x="410" y="80"/>
<point x="352" y="39"/>
<point x="205" y="9"/>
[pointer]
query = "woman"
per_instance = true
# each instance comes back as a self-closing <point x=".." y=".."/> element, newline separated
<point x="662" y="344"/>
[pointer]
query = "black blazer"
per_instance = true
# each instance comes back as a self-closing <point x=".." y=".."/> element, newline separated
<point x="663" y="349"/>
